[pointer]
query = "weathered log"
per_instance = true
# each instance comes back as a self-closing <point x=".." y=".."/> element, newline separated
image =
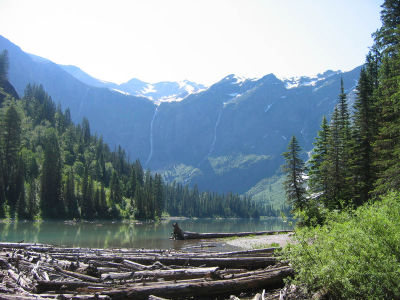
<point x="21" y="280"/>
<point x="52" y="285"/>
<point x="102" y="270"/>
<point x="77" y="275"/>
<point x="21" y="245"/>
<point x="116" y="276"/>
<point x="21" y="297"/>
<point x="109" y="264"/>
<point x="253" y="252"/>
<point x="222" y="262"/>
<point x="202" y="288"/>
<point x="152" y="297"/>
<point x="178" y="273"/>
<point x="179" y="234"/>
<point x="133" y="265"/>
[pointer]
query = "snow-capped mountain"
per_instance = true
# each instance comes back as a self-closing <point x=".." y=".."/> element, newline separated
<point x="165" y="91"/>
<point x="299" y="81"/>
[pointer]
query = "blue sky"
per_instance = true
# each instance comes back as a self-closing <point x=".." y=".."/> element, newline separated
<point x="198" y="40"/>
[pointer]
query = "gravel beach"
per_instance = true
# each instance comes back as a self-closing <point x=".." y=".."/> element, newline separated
<point x="261" y="241"/>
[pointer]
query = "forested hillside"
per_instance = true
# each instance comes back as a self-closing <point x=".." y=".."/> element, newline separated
<point x="54" y="169"/>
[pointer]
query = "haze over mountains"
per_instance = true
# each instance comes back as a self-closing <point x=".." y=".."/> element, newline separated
<point x="227" y="137"/>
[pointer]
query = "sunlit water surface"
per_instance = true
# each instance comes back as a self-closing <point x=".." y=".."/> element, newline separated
<point x="106" y="234"/>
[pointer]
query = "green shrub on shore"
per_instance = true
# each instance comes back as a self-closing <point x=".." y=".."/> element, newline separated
<point x="354" y="255"/>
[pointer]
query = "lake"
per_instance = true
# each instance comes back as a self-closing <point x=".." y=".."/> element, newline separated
<point x="107" y="234"/>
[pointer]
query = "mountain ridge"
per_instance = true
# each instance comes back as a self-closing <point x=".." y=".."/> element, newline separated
<point x="228" y="137"/>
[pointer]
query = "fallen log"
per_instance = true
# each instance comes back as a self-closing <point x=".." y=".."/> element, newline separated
<point x="176" y="274"/>
<point x="152" y="297"/>
<point x="47" y="285"/>
<point x="133" y="265"/>
<point x="253" y="252"/>
<point x="21" y="245"/>
<point x="222" y="262"/>
<point x="77" y="275"/>
<point x="20" y="280"/>
<point x="203" y="288"/>
<point x="179" y="234"/>
<point x="116" y="276"/>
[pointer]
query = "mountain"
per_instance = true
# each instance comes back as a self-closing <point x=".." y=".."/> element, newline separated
<point x="228" y="137"/>
<point x="165" y="91"/>
<point x="116" y="116"/>
<point x="231" y="136"/>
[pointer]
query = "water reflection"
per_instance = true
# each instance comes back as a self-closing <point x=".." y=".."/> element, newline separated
<point x="106" y="234"/>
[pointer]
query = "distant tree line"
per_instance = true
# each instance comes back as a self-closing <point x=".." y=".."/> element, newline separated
<point x="54" y="169"/>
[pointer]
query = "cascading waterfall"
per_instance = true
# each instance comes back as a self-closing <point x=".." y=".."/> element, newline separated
<point x="151" y="137"/>
<point x="212" y="145"/>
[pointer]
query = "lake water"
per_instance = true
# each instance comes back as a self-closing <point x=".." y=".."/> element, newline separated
<point x="106" y="234"/>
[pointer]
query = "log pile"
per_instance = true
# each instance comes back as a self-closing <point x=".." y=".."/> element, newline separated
<point x="38" y="271"/>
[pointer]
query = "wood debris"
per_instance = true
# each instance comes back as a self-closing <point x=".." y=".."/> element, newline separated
<point x="38" y="271"/>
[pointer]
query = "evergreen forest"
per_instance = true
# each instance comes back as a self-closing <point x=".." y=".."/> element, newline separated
<point x="54" y="169"/>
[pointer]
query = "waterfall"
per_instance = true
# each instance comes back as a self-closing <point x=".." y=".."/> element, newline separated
<point x="210" y="150"/>
<point x="151" y="137"/>
<point x="212" y="146"/>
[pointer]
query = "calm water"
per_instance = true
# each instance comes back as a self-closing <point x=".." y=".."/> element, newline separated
<point x="117" y="234"/>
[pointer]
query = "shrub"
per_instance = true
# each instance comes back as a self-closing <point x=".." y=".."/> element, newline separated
<point x="354" y="255"/>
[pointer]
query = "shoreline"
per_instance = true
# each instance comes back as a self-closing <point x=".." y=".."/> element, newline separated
<point x="262" y="241"/>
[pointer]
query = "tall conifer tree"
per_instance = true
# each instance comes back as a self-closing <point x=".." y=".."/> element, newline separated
<point x="295" y="170"/>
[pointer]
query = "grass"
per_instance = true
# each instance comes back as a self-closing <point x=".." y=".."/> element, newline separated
<point x="267" y="245"/>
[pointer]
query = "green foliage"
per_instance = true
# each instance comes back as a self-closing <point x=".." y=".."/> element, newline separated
<point x="4" y="65"/>
<point x="271" y="192"/>
<point x="295" y="171"/>
<point x="354" y="255"/>
<point x="229" y="163"/>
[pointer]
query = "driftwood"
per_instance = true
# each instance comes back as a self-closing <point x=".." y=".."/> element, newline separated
<point x="268" y="280"/>
<point x="179" y="234"/>
<point x="33" y="271"/>
<point x="178" y="273"/>
<point x="223" y="262"/>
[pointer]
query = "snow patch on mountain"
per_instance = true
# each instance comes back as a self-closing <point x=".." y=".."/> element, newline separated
<point x="148" y="89"/>
<point x="121" y="92"/>
<point x="299" y="81"/>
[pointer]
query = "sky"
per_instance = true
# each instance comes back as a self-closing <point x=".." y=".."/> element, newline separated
<point x="197" y="40"/>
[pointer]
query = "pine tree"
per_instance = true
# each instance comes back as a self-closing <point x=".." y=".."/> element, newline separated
<point x="115" y="189"/>
<point x="345" y="142"/>
<point x="387" y="143"/>
<point x="69" y="195"/>
<point x="333" y="168"/>
<point x="4" y="63"/>
<point x="363" y="133"/>
<point x="159" y="195"/>
<point x="295" y="170"/>
<point x="318" y="175"/>
<point x="52" y="205"/>
<point x="10" y="144"/>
